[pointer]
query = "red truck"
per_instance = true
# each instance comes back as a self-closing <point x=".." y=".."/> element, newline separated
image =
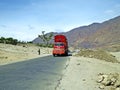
<point x="60" y="45"/>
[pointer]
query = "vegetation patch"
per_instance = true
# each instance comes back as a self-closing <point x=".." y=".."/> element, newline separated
<point x="98" y="54"/>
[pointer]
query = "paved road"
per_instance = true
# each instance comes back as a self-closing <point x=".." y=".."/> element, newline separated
<point x="38" y="74"/>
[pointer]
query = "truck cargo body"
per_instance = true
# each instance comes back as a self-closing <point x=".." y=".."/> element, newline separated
<point x="60" y="45"/>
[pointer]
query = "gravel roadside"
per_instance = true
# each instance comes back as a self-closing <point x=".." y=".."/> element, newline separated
<point x="81" y="74"/>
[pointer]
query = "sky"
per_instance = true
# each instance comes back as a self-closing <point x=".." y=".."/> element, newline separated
<point x="26" y="19"/>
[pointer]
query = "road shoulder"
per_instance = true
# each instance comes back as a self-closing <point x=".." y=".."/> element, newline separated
<point x="81" y="73"/>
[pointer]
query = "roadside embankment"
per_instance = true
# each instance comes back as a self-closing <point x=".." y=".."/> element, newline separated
<point x="98" y="54"/>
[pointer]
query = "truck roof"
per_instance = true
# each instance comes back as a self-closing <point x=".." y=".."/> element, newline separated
<point x="60" y="38"/>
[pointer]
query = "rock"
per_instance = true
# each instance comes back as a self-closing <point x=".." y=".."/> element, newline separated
<point x="106" y="81"/>
<point x="101" y="86"/>
<point x="113" y="80"/>
<point x="100" y="79"/>
<point x="117" y="84"/>
<point x="110" y="81"/>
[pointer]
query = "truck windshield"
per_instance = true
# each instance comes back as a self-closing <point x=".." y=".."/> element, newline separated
<point x="59" y="44"/>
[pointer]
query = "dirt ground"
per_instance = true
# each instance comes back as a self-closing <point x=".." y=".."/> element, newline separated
<point x="12" y="53"/>
<point x="82" y="73"/>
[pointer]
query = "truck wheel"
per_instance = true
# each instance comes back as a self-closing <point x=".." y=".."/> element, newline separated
<point x="66" y="53"/>
<point x="54" y="55"/>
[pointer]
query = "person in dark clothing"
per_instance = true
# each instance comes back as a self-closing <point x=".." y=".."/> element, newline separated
<point x="39" y="52"/>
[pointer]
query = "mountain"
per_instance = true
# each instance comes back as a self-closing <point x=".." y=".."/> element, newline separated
<point x="78" y="35"/>
<point x="94" y="35"/>
<point x="107" y="34"/>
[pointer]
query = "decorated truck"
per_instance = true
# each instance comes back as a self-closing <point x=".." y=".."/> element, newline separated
<point x="60" y="45"/>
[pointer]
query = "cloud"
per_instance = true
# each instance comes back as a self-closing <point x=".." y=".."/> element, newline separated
<point x="109" y="11"/>
<point x="114" y="10"/>
<point x="59" y="30"/>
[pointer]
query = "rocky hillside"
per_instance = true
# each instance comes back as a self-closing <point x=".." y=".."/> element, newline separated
<point x="107" y="34"/>
<point x="94" y="35"/>
<point x="79" y="35"/>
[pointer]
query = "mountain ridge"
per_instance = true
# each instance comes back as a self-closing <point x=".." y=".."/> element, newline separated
<point x="94" y="35"/>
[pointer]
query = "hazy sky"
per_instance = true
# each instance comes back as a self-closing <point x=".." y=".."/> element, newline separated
<point x="25" y="19"/>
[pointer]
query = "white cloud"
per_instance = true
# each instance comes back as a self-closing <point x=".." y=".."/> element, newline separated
<point x="115" y="9"/>
<point x="109" y="11"/>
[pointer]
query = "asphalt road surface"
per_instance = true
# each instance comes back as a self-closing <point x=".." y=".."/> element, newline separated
<point x="37" y="74"/>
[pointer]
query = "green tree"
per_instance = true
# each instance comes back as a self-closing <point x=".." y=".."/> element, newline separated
<point x="2" y="40"/>
<point x="46" y="37"/>
<point x="14" y="42"/>
<point x="9" y="40"/>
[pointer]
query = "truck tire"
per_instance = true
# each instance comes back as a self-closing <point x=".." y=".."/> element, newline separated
<point x="54" y="55"/>
<point x="66" y="53"/>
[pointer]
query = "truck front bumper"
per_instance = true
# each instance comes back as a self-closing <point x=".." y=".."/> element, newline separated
<point x="58" y="51"/>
